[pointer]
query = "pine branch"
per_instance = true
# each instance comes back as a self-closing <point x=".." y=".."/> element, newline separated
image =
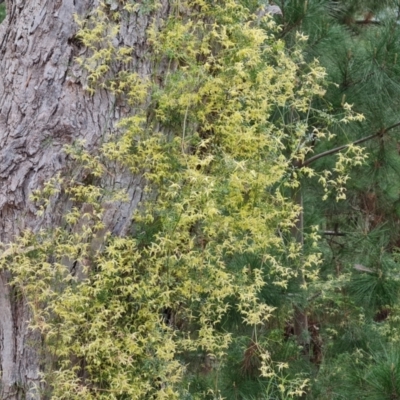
<point x="339" y="148"/>
<point x="361" y="268"/>
<point x="368" y="22"/>
<point x="334" y="233"/>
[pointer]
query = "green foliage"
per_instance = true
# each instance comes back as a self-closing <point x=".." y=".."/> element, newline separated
<point x="194" y="303"/>
<point x="2" y="12"/>
<point x="357" y="306"/>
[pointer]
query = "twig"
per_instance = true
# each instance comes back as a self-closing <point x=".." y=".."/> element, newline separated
<point x="337" y="149"/>
<point x="334" y="233"/>
<point x="361" y="268"/>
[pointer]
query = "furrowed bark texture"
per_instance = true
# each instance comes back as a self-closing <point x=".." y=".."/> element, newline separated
<point x="43" y="107"/>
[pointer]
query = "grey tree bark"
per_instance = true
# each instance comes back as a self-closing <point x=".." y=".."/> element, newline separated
<point x="43" y="107"/>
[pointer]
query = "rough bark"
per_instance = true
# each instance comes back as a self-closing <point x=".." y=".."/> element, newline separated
<point x="43" y="107"/>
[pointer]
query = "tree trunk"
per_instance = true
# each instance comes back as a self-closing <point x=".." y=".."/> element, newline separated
<point x="43" y="107"/>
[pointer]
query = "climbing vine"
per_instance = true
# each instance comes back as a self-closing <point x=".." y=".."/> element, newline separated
<point x="218" y="133"/>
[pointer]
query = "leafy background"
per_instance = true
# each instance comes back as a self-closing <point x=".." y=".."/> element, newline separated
<point x="2" y="12"/>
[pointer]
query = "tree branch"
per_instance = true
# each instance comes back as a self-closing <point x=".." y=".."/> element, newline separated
<point x="361" y="268"/>
<point x="339" y="148"/>
<point x="334" y="233"/>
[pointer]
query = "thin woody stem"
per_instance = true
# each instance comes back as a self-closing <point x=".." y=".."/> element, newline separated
<point x="339" y="148"/>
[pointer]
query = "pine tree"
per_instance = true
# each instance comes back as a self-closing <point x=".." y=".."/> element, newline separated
<point x="219" y="135"/>
<point x="355" y="304"/>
